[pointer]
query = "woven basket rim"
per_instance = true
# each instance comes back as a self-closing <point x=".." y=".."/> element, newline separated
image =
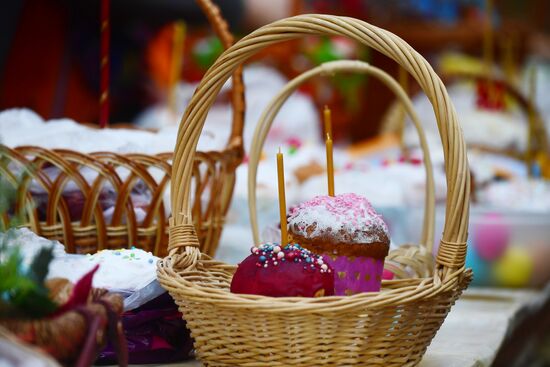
<point x="420" y="287"/>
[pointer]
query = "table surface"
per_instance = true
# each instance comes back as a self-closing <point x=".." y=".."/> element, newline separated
<point x="474" y="329"/>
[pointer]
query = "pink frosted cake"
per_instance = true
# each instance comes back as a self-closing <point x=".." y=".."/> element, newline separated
<point x="349" y="233"/>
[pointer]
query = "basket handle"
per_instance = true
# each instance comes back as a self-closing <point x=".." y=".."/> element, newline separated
<point x="214" y="16"/>
<point x="452" y="251"/>
<point x="330" y="68"/>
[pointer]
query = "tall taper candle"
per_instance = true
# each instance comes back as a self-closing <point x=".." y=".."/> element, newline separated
<point x="330" y="165"/>
<point x="327" y="114"/>
<point x="104" y="64"/>
<point x="282" y="198"/>
<point x="176" y="64"/>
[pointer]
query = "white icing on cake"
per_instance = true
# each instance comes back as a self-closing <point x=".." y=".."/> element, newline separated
<point x="346" y="218"/>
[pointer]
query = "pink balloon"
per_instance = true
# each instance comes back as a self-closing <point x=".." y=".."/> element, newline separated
<point x="491" y="237"/>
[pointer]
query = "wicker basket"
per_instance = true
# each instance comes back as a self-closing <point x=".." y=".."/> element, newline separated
<point x="416" y="260"/>
<point x="77" y="218"/>
<point x="392" y="327"/>
<point x="537" y="142"/>
<point x="77" y="336"/>
<point x="23" y="353"/>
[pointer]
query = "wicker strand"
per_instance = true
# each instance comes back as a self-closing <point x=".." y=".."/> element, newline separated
<point x="182" y="235"/>
<point x="453" y="254"/>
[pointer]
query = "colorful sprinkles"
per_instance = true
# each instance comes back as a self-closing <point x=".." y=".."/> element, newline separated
<point x="272" y="254"/>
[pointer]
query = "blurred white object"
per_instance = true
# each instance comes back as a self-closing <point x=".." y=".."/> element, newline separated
<point x="398" y="184"/>
<point x="139" y="267"/>
<point x="496" y="130"/>
<point x="298" y="118"/>
<point x="519" y="194"/>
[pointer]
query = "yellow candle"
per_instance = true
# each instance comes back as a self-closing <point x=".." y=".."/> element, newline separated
<point x="328" y="121"/>
<point x="282" y="198"/>
<point x="176" y="62"/>
<point x="330" y="166"/>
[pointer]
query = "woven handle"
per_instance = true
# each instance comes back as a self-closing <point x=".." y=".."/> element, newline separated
<point x="452" y="251"/>
<point x="221" y="29"/>
<point x="329" y="69"/>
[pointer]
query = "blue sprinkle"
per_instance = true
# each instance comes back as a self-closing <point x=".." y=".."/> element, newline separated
<point x="150" y="261"/>
<point x="262" y="258"/>
<point x="117" y="253"/>
<point x="308" y="260"/>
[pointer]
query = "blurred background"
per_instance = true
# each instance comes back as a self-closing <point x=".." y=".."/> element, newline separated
<point x="51" y="47"/>
<point x="492" y="55"/>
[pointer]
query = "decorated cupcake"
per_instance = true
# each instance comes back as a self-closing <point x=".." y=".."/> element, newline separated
<point x="352" y="236"/>
<point x="291" y="271"/>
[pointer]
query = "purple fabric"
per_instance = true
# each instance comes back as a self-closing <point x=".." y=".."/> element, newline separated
<point x="156" y="333"/>
<point x="356" y="274"/>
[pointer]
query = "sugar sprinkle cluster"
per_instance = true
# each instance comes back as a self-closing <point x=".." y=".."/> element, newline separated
<point x="348" y="217"/>
<point x="271" y="254"/>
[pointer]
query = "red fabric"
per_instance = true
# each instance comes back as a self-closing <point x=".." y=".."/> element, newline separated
<point x="80" y="293"/>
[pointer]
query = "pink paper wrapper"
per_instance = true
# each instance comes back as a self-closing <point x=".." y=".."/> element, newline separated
<point x="356" y="274"/>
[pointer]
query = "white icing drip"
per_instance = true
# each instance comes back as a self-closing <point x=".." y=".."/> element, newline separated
<point x="346" y="218"/>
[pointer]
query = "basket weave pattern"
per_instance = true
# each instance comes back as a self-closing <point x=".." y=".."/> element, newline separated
<point x="389" y="328"/>
<point x="77" y="218"/>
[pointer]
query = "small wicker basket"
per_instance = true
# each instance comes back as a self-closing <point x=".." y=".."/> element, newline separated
<point x="75" y="337"/>
<point x="392" y="327"/>
<point x="77" y="218"/>
<point x="537" y="138"/>
<point x="415" y="260"/>
<point x="23" y="352"/>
